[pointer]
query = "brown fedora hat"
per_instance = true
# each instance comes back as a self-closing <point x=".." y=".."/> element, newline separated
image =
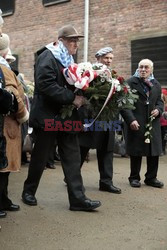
<point x="68" y="31"/>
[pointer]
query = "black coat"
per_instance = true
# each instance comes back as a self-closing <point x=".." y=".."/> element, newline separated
<point x="135" y="139"/>
<point x="6" y="101"/>
<point x="51" y="91"/>
<point x="103" y="140"/>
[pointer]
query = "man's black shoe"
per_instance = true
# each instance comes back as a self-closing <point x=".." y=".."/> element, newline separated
<point x="86" y="205"/>
<point x="51" y="166"/>
<point x="12" y="207"/>
<point x="29" y="199"/>
<point x="3" y="214"/>
<point x="109" y="188"/>
<point x="135" y="183"/>
<point x="154" y="183"/>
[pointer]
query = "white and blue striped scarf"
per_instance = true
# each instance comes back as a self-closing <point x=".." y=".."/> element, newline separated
<point x="60" y="52"/>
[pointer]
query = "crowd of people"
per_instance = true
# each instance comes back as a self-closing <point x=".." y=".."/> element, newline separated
<point x="51" y="92"/>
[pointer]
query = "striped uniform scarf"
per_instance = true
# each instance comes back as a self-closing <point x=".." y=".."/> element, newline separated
<point x="147" y="82"/>
<point x="60" y="52"/>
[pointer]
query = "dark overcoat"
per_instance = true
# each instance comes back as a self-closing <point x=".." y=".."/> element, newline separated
<point x="135" y="143"/>
<point x="51" y="91"/>
<point x="103" y="140"/>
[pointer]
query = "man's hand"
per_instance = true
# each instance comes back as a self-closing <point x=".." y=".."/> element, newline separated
<point x="79" y="101"/>
<point x="155" y="112"/>
<point x="134" y="125"/>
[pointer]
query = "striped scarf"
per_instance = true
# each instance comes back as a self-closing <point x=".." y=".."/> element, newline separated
<point x="60" y="52"/>
<point x="147" y="84"/>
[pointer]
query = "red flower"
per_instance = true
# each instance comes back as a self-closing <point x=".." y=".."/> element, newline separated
<point x="125" y="90"/>
<point x="114" y="89"/>
<point x="120" y="79"/>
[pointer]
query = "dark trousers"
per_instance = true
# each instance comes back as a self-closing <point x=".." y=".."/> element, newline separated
<point x="4" y="200"/>
<point x="70" y="159"/>
<point x="135" y="166"/>
<point x="105" y="163"/>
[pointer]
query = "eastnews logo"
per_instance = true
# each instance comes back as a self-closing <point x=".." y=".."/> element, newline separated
<point x="77" y="126"/>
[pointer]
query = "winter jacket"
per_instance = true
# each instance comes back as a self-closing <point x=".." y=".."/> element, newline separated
<point x="12" y="123"/>
<point x="51" y="91"/>
<point x="136" y="145"/>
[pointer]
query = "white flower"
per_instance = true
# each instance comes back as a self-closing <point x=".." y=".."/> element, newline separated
<point x="116" y="84"/>
<point x="85" y="66"/>
<point x="147" y="140"/>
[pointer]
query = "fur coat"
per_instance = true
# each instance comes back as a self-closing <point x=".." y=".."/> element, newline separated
<point x="12" y="122"/>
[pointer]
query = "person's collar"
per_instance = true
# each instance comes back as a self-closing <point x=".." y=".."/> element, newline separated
<point x="4" y="62"/>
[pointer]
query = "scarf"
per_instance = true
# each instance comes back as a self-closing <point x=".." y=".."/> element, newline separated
<point x="4" y="62"/>
<point x="60" y="52"/>
<point x="147" y="84"/>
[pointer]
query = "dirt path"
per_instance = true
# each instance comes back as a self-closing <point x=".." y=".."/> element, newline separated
<point x="134" y="220"/>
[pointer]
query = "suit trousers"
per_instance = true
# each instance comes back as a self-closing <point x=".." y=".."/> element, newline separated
<point x="105" y="163"/>
<point x="135" y="167"/>
<point x="4" y="200"/>
<point x="69" y="151"/>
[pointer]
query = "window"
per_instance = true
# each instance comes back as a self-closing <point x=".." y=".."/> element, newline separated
<point x="7" y="7"/>
<point x="51" y="2"/>
<point x="155" y="50"/>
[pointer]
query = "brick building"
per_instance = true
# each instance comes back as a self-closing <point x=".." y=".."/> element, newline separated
<point x="135" y="29"/>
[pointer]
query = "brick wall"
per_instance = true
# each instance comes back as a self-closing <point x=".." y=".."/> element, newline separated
<point x="111" y="23"/>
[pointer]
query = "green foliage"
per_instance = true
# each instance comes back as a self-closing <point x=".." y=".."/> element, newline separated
<point x="122" y="98"/>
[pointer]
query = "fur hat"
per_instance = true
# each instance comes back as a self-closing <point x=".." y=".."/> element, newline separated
<point x="9" y="57"/>
<point x="68" y="31"/>
<point x="4" y="41"/>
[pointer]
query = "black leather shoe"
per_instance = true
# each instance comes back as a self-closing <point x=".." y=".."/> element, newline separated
<point x="3" y="214"/>
<point x="86" y="205"/>
<point x="12" y="207"/>
<point x="154" y="183"/>
<point x="51" y="166"/>
<point x="29" y="199"/>
<point x="135" y="183"/>
<point x="109" y="188"/>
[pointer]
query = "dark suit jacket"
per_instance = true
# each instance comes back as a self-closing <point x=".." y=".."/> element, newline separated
<point x="135" y="139"/>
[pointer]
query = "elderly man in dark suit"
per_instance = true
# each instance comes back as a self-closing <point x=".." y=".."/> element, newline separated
<point x="51" y="93"/>
<point x="148" y="104"/>
<point x="103" y="141"/>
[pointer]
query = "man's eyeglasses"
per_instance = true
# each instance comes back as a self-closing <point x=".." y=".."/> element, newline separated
<point x="144" y="66"/>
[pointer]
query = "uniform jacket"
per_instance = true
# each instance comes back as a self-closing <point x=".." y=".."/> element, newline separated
<point x="51" y="91"/>
<point x="135" y="139"/>
<point x="12" y="130"/>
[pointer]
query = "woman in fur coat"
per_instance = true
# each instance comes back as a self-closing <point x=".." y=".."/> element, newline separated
<point x="10" y="130"/>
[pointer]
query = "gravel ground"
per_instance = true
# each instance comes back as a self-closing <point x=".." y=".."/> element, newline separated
<point x="133" y="220"/>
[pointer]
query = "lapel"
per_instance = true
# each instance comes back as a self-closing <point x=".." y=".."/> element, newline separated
<point x="153" y="89"/>
<point x="137" y="85"/>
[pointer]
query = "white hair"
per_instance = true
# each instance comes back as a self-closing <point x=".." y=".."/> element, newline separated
<point x="147" y="62"/>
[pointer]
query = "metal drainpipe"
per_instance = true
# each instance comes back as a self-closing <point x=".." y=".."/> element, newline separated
<point x="86" y="30"/>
